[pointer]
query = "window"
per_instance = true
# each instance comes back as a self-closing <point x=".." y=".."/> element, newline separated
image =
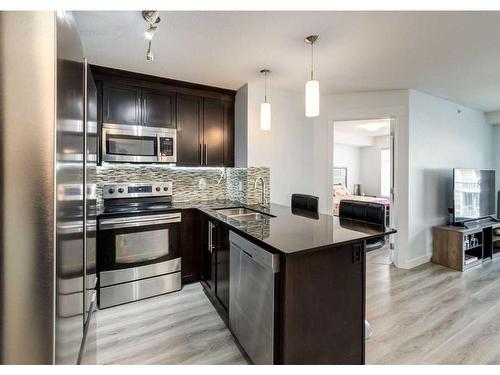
<point x="385" y="172"/>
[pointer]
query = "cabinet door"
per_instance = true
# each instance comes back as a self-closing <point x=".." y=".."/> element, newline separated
<point x="121" y="104"/>
<point x="207" y="255"/>
<point x="189" y="246"/>
<point x="222" y="265"/>
<point x="213" y="132"/>
<point x="158" y="108"/>
<point x="189" y="130"/>
<point x="323" y="306"/>
<point x="229" y="134"/>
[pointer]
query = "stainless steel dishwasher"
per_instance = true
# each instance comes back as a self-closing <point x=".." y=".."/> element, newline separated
<point x="251" y="298"/>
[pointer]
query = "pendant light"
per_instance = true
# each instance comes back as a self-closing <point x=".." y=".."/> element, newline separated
<point x="312" y="86"/>
<point x="265" y="108"/>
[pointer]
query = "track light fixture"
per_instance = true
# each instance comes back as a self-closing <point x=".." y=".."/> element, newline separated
<point x="152" y="17"/>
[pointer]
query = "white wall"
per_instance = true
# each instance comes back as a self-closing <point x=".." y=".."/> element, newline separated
<point x="370" y="165"/>
<point x="287" y="148"/>
<point x="431" y="139"/>
<point x="349" y="157"/>
<point x="443" y="135"/>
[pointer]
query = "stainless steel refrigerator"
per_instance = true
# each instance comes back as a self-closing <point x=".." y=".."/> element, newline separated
<point x="48" y="154"/>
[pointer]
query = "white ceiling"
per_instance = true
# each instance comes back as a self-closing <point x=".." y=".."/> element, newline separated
<point x="355" y="133"/>
<point x="455" y="55"/>
<point x="359" y="127"/>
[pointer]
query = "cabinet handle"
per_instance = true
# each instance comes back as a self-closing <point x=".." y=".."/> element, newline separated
<point x="210" y="246"/>
<point x="201" y="155"/>
<point x="206" y="154"/>
<point x="356" y="253"/>
<point x="144" y="110"/>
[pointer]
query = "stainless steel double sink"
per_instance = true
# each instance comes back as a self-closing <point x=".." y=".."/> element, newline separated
<point x="243" y="214"/>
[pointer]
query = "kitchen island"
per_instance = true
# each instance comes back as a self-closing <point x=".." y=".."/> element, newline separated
<point x="319" y="291"/>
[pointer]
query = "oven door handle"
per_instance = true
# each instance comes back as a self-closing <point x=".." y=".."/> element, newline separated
<point x="135" y="222"/>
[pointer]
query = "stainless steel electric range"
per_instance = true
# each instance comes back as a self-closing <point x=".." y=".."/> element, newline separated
<point x="138" y="243"/>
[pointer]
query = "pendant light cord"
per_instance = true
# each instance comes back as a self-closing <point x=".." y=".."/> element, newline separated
<point x="312" y="61"/>
<point x="265" y="87"/>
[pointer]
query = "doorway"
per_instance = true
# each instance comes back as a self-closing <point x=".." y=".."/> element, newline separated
<point x="363" y="168"/>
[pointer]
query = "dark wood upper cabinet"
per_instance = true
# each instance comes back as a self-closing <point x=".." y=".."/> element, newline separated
<point x="121" y="104"/>
<point x="213" y="132"/>
<point x="229" y="134"/>
<point x="189" y="130"/>
<point x="203" y="115"/>
<point x="158" y="108"/>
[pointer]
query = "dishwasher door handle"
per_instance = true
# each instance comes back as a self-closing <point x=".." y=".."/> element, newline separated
<point x="243" y="251"/>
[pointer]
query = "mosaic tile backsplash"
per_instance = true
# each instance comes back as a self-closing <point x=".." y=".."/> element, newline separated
<point x="191" y="184"/>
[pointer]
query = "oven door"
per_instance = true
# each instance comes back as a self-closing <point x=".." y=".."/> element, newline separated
<point x="136" y="247"/>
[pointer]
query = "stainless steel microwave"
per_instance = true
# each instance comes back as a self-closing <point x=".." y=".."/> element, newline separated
<point x="138" y="144"/>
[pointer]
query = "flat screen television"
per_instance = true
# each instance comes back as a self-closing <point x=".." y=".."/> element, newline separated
<point x="473" y="194"/>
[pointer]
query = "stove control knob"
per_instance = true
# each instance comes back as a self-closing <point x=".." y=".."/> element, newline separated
<point x="120" y="190"/>
<point x="158" y="188"/>
<point x="165" y="188"/>
<point x="111" y="191"/>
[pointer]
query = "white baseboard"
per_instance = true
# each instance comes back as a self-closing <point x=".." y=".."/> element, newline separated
<point x="415" y="262"/>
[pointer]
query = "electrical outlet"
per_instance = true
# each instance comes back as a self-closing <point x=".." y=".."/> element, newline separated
<point x="202" y="184"/>
<point x="240" y="186"/>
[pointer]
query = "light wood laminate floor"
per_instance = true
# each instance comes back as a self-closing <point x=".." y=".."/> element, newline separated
<point x="426" y="315"/>
<point x="432" y="314"/>
<point x="177" y="328"/>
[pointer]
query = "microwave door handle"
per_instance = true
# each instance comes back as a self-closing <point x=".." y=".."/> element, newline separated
<point x="159" y="147"/>
<point x="103" y="141"/>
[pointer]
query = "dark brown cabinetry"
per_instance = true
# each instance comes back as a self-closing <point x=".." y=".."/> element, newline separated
<point x="189" y="130"/>
<point x="131" y="105"/>
<point x="158" y="108"/>
<point x="323" y="297"/>
<point x="121" y="104"/>
<point x="203" y="115"/>
<point x="189" y="246"/>
<point x="204" y="131"/>
<point x="208" y="262"/>
<point x="215" y="260"/>
<point x="222" y="265"/>
<point x="213" y="132"/>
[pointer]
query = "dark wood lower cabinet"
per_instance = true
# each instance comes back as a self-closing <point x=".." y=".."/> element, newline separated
<point x="322" y="308"/>
<point x="207" y="275"/>
<point x="189" y="246"/>
<point x="222" y="265"/>
<point x="214" y="275"/>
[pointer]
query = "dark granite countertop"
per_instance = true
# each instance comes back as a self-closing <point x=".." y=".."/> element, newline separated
<point x="288" y="231"/>
<point x="292" y="232"/>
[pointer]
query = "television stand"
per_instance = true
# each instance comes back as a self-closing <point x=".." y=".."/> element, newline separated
<point x="461" y="247"/>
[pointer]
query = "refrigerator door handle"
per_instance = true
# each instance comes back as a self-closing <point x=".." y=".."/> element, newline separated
<point x="85" y="146"/>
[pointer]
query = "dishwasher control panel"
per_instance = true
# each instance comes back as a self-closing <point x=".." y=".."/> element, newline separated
<point x="261" y="256"/>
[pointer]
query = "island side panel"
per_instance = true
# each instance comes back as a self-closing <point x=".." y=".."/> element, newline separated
<point x="323" y="306"/>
